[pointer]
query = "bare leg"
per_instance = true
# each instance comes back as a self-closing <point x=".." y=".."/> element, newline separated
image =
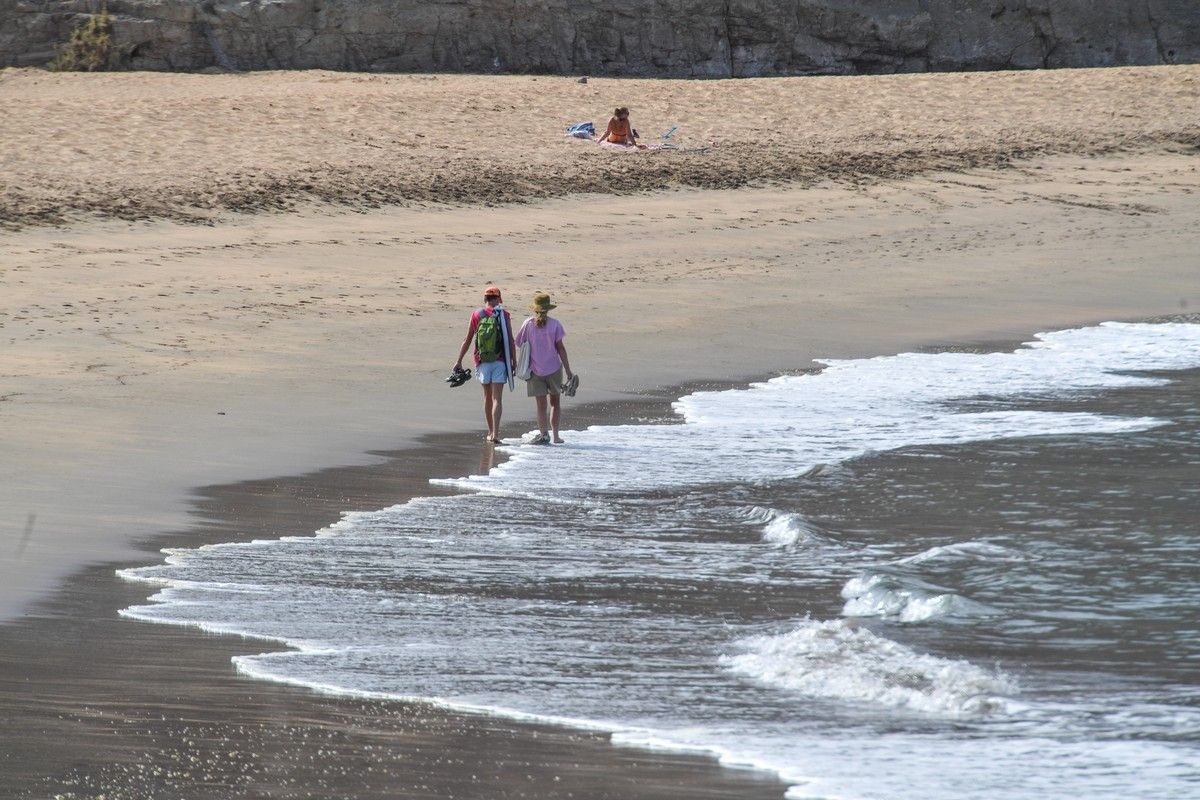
<point x="487" y="411"/>
<point x="555" y="408"/>
<point x="541" y="412"/>
<point x="497" y="409"/>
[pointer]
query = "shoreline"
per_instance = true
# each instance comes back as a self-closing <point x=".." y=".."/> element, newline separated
<point x="106" y="703"/>
<point x="101" y="703"/>
<point x="149" y="359"/>
<point x="146" y="360"/>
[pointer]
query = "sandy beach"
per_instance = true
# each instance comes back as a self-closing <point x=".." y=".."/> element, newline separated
<point x="146" y="145"/>
<point x="148" y="355"/>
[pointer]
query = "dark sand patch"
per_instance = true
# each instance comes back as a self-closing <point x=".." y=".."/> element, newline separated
<point x="96" y="705"/>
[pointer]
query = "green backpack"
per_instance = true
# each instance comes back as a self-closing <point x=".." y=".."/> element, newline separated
<point x="488" y="341"/>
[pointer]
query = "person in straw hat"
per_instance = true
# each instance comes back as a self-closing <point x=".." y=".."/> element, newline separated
<point x="547" y="360"/>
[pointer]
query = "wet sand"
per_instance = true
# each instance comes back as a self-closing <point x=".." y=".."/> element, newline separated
<point x="99" y="706"/>
<point x="96" y="705"/>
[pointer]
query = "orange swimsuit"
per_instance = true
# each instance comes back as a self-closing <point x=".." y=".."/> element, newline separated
<point x="619" y="133"/>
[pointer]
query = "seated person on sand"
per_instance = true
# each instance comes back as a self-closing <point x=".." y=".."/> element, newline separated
<point x="620" y="130"/>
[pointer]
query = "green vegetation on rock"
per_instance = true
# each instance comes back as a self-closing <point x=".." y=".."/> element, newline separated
<point x="91" y="47"/>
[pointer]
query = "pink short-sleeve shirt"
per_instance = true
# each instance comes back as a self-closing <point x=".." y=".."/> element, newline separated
<point x="543" y="355"/>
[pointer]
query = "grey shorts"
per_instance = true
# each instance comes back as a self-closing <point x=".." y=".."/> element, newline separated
<point x="542" y="385"/>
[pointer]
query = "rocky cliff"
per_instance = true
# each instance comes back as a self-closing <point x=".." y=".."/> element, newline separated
<point x="680" y="38"/>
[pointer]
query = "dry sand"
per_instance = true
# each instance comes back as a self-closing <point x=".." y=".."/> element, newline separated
<point x="141" y="360"/>
<point x="138" y="145"/>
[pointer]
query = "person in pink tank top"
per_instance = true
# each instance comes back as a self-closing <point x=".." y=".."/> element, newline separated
<point x="547" y="361"/>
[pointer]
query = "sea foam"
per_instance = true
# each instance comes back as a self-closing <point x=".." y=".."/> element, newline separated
<point x="789" y="425"/>
<point x="831" y="659"/>
<point x="906" y="599"/>
<point x="563" y="586"/>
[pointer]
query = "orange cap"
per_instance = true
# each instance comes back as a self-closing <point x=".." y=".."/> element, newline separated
<point x="493" y="290"/>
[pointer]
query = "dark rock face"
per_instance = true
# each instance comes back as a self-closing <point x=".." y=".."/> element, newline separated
<point x="676" y="38"/>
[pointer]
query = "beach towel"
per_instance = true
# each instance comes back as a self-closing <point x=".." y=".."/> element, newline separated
<point x="524" y="369"/>
<point x="632" y="148"/>
<point x="582" y="130"/>
<point x="506" y="335"/>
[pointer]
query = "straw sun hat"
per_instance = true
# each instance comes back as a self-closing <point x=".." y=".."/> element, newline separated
<point x="541" y="302"/>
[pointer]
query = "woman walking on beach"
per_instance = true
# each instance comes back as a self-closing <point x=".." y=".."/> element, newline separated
<point x="547" y="360"/>
<point x="490" y="331"/>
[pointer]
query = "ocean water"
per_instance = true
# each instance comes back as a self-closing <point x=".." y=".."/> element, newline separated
<point x="930" y="576"/>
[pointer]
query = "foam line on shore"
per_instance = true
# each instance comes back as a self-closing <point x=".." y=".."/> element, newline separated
<point x="775" y="430"/>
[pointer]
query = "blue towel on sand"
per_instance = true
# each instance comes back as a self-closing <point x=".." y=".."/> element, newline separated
<point x="582" y="130"/>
